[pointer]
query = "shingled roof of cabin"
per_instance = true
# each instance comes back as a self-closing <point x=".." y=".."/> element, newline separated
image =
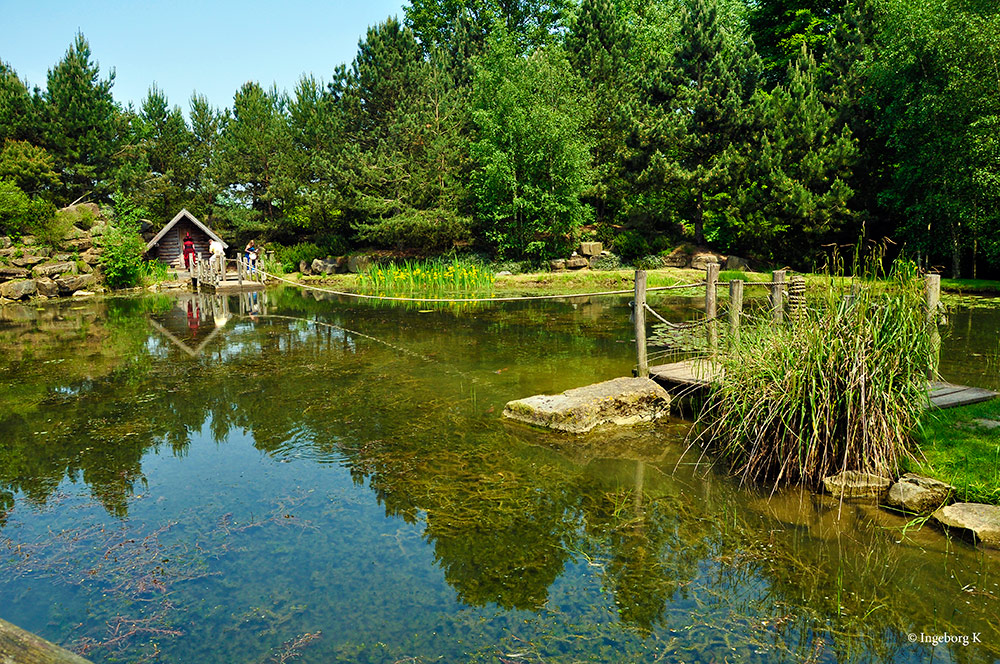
<point x="183" y="214"/>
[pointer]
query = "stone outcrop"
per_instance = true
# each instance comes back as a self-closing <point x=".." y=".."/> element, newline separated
<point x="918" y="494"/>
<point x="358" y="263"/>
<point x="72" y="283"/>
<point x="16" y="290"/>
<point x="576" y="263"/>
<point x="980" y="521"/>
<point x="47" y="287"/>
<point x="589" y="249"/>
<point x="621" y="401"/>
<point x="855" y="484"/>
<point x="53" y="269"/>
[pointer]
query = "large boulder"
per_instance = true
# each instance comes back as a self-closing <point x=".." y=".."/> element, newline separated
<point x="16" y="290"/>
<point x="590" y="249"/>
<point x="358" y="263"/>
<point x="918" y="494"/>
<point x="91" y="256"/>
<point x="54" y="269"/>
<point x="576" y="263"/>
<point x="701" y="259"/>
<point x="9" y="272"/>
<point x="70" y="284"/>
<point x="304" y="267"/>
<point x="5" y="242"/>
<point x="28" y="260"/>
<point x="557" y="264"/>
<point x="621" y="401"/>
<point x="47" y="287"/>
<point x="980" y="521"/>
<point x="855" y="484"/>
<point x="737" y="263"/>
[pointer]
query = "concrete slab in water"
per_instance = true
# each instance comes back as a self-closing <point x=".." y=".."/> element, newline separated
<point x="621" y="401"/>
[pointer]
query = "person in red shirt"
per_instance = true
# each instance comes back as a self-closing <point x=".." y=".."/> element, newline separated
<point x="189" y="258"/>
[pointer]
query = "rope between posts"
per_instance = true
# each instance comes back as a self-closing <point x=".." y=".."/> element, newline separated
<point x="678" y="326"/>
<point x="472" y="299"/>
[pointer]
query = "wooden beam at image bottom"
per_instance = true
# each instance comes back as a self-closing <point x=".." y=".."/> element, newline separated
<point x="23" y="647"/>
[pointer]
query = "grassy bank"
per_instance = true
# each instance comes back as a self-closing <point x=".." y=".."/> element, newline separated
<point x="960" y="446"/>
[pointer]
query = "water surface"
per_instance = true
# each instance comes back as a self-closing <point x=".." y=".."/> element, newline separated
<point x="250" y="479"/>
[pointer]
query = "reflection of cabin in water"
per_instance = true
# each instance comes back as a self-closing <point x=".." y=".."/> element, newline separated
<point x="168" y="245"/>
<point x="196" y="318"/>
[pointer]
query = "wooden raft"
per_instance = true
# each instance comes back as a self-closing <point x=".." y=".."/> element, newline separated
<point x="694" y="374"/>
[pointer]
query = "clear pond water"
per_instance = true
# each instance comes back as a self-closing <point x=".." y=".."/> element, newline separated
<point x="283" y="477"/>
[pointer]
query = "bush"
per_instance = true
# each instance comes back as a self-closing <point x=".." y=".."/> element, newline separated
<point x="630" y="245"/>
<point x="839" y="387"/>
<point x="19" y="213"/>
<point x="122" y="261"/>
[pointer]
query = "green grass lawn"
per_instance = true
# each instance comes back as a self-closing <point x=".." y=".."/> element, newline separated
<point x="961" y="451"/>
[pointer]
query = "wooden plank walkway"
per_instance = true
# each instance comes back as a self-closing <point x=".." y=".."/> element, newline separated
<point x="698" y="373"/>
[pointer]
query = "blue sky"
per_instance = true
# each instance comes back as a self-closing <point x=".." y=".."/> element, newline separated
<point x="208" y="46"/>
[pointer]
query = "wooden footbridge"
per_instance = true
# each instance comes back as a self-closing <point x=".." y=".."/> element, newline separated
<point x="693" y="374"/>
<point x="227" y="275"/>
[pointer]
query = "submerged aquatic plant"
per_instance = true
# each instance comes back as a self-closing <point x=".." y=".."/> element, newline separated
<point x="840" y="385"/>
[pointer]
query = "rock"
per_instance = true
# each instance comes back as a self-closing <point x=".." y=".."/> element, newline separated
<point x="9" y="251"/>
<point x="855" y="484"/>
<point x="986" y="424"/>
<point x="577" y="263"/>
<point x="736" y="263"/>
<point x="79" y="244"/>
<point x="99" y="229"/>
<point x="558" y="264"/>
<point x="676" y="259"/>
<point x="74" y="233"/>
<point x="358" y="263"/>
<point x="324" y="266"/>
<point x="5" y="242"/>
<point x="53" y="269"/>
<point x="317" y="266"/>
<point x="71" y="284"/>
<point x="621" y="401"/>
<point x="84" y="267"/>
<point x="83" y="293"/>
<point x="91" y="256"/>
<point x="8" y="272"/>
<point x="28" y="240"/>
<point x="702" y="259"/>
<point x="918" y="494"/>
<point x="504" y="273"/>
<point x="47" y="287"/>
<point x="590" y="249"/>
<point x="594" y="260"/>
<point x="304" y="267"/>
<point x="981" y="521"/>
<point x="27" y="261"/>
<point x="15" y="290"/>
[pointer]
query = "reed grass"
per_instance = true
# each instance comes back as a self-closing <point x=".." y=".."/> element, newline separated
<point x="432" y="278"/>
<point x="839" y="386"/>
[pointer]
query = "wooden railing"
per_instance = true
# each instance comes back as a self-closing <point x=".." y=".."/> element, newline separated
<point x="213" y="272"/>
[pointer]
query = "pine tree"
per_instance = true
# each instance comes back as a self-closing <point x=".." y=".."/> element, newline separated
<point x="796" y="195"/>
<point x="80" y="116"/>
<point x="598" y="46"/>
<point x="702" y="118"/>
<point x="18" y="110"/>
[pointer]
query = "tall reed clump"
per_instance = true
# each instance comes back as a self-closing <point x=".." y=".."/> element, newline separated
<point x="453" y="278"/>
<point x="838" y="386"/>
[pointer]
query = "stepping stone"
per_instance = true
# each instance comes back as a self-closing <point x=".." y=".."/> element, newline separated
<point x="621" y="401"/>
<point x="979" y="520"/>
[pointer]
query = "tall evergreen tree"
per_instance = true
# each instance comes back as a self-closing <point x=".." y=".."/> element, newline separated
<point x="165" y="142"/>
<point x="207" y="124"/>
<point x="780" y="29"/>
<point x="18" y="109"/>
<point x="796" y="195"/>
<point x="250" y="151"/>
<point x="703" y="118"/>
<point x="80" y="130"/>
<point x="598" y="46"/>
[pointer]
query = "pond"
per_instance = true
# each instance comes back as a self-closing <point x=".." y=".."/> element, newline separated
<point x="265" y="478"/>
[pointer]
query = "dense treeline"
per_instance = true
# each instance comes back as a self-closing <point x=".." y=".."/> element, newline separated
<point x="768" y="128"/>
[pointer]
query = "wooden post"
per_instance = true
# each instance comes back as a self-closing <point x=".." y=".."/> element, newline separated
<point x="735" y="307"/>
<point x="712" y="305"/>
<point x="17" y="645"/>
<point x="932" y="296"/>
<point x="777" y="296"/>
<point x="239" y="271"/>
<point x="639" y="316"/>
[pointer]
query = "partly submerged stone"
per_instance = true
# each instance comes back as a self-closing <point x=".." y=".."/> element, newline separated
<point x="621" y="401"/>
<point x="918" y="494"/>
<point x="982" y="521"/>
<point x="856" y="484"/>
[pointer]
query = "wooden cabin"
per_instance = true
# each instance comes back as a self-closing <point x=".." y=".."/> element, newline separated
<point x="167" y="246"/>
